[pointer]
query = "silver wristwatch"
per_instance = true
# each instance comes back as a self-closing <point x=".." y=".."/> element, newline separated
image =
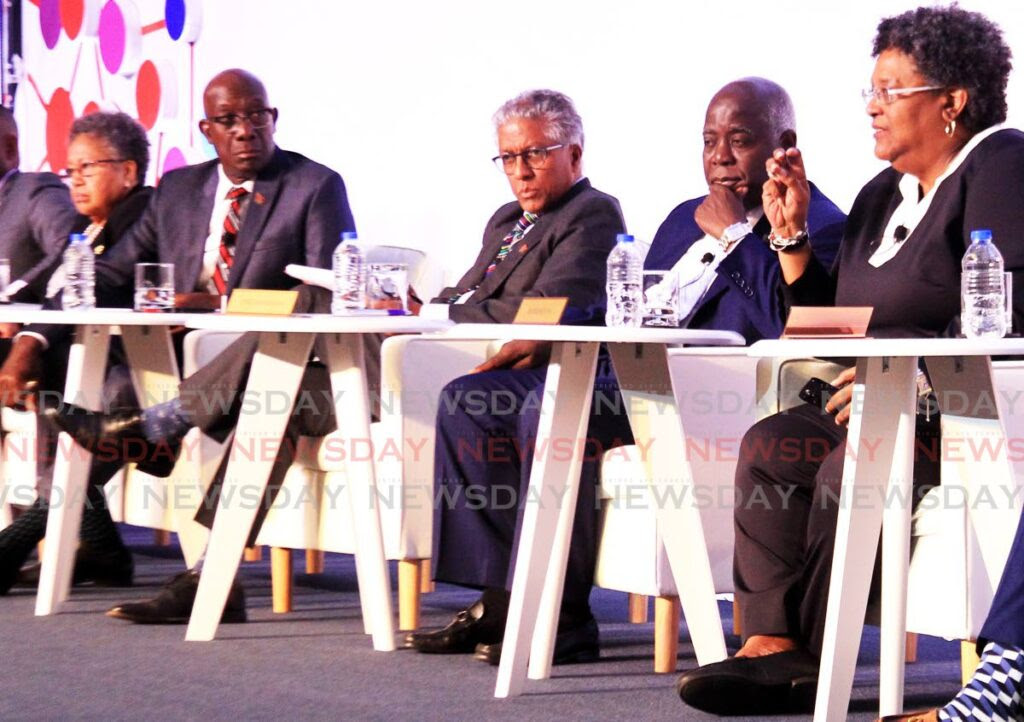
<point x="735" y="232"/>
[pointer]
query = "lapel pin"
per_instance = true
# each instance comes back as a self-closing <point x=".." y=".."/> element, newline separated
<point x="523" y="248"/>
<point x="258" y="197"/>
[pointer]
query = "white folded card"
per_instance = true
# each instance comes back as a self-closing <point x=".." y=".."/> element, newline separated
<point x="827" y="322"/>
<point x="323" y="277"/>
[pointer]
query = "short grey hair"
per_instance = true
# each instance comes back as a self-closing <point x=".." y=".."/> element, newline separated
<point x="776" y="102"/>
<point x="564" y="124"/>
<point x="124" y="133"/>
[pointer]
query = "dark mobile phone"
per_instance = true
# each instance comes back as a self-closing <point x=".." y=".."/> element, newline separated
<point x="817" y="392"/>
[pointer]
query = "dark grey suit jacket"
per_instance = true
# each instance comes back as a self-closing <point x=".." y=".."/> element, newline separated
<point x="564" y="254"/>
<point x="298" y="211"/>
<point x="36" y="216"/>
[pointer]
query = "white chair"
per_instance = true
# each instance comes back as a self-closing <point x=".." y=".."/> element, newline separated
<point x="715" y="393"/>
<point x="20" y="467"/>
<point x="312" y="512"/>
<point x="952" y="579"/>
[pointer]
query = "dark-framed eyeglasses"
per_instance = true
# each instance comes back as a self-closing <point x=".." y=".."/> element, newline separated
<point x="259" y="118"/>
<point x="88" y="169"/>
<point x="888" y="96"/>
<point x="533" y="157"/>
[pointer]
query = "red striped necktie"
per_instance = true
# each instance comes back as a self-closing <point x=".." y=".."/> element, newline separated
<point x="226" y="252"/>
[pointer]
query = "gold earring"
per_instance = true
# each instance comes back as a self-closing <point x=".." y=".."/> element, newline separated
<point x="950" y="127"/>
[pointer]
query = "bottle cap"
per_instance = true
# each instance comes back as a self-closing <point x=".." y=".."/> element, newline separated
<point x="982" y="235"/>
<point x="349" y="235"/>
<point x="78" y="238"/>
<point x="623" y="238"/>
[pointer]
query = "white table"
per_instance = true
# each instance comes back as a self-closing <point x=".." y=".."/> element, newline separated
<point x="880" y="464"/>
<point x="280" y="361"/>
<point x="641" y="365"/>
<point x="147" y="344"/>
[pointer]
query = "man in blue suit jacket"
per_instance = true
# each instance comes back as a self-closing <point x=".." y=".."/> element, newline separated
<point x="729" y="277"/>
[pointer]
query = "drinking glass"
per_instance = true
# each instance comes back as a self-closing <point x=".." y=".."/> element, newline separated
<point x="5" y="278"/>
<point x="387" y="285"/>
<point x="154" y="286"/>
<point x="661" y="299"/>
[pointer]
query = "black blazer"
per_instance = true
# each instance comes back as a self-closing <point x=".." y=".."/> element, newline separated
<point x="917" y="293"/>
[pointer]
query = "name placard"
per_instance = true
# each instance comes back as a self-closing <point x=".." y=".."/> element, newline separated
<point x="262" y="302"/>
<point x="827" y="322"/>
<point x="545" y="311"/>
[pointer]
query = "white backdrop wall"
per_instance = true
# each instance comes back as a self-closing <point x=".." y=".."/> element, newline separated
<point x="397" y="94"/>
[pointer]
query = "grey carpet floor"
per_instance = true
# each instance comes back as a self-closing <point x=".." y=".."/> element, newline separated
<point x="316" y="663"/>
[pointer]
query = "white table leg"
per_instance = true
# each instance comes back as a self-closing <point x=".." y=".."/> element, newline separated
<point x="544" y="538"/>
<point x="277" y="367"/>
<point x="646" y="386"/>
<point x="153" y="366"/>
<point x="352" y="410"/>
<point x="87" y="365"/>
<point x="878" y="462"/>
<point x="155" y="374"/>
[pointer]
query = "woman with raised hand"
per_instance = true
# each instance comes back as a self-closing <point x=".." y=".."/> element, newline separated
<point x="936" y="102"/>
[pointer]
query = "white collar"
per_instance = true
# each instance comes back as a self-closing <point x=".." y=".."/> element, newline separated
<point x="913" y="208"/>
<point x="225" y="184"/>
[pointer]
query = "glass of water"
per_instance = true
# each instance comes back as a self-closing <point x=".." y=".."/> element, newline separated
<point x="154" y="286"/>
<point x="661" y="299"/>
<point x="387" y="285"/>
<point x="5" y="278"/>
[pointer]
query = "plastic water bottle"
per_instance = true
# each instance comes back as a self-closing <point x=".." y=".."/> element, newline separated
<point x="79" y="275"/>
<point x="349" y="276"/>
<point x="982" y="293"/>
<point x="625" y="273"/>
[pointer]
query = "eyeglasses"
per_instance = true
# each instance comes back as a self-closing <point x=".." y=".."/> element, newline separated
<point x="87" y="169"/>
<point x="260" y="118"/>
<point x="533" y="157"/>
<point x="888" y="96"/>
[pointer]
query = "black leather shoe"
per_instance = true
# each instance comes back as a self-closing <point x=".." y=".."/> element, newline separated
<point x="470" y="627"/>
<point x="572" y="646"/>
<point x="104" y="569"/>
<point x="173" y="604"/>
<point x="773" y="684"/>
<point x="116" y="436"/>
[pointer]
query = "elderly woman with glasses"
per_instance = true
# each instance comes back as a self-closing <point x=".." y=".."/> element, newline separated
<point x="936" y="104"/>
<point x="108" y="154"/>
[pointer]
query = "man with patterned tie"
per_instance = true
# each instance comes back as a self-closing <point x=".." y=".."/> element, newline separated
<point x="232" y="222"/>
<point x="717" y="246"/>
<point x="552" y="241"/>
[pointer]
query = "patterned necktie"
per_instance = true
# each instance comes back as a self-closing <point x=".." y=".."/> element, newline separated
<point x="226" y="252"/>
<point x="514" y="236"/>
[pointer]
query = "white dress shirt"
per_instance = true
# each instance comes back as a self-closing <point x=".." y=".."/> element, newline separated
<point x="694" y="272"/>
<point x="221" y="205"/>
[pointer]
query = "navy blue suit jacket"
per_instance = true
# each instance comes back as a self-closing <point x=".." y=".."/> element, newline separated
<point x="746" y="295"/>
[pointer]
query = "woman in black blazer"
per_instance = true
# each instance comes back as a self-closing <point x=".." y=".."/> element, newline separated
<point x="936" y="102"/>
<point x="108" y="154"/>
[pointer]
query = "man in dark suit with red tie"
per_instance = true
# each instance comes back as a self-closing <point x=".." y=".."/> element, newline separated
<point x="232" y="222"/>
